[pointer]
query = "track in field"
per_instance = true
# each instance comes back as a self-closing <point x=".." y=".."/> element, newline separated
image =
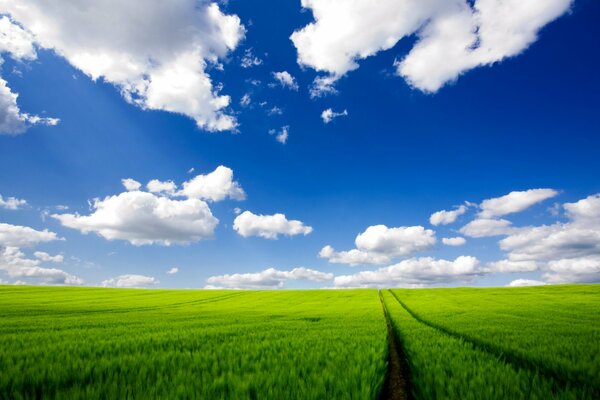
<point x="516" y="361"/>
<point x="397" y="384"/>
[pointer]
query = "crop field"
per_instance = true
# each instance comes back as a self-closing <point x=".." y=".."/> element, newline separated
<point x="509" y="343"/>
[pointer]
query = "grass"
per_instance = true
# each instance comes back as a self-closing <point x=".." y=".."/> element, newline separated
<point x="555" y="329"/>
<point x="512" y="343"/>
<point x="443" y="366"/>
<point x="101" y="343"/>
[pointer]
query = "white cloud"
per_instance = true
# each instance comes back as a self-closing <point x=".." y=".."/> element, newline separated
<point x="323" y="86"/>
<point x="511" y="266"/>
<point x="378" y="244"/>
<point x="525" y="282"/>
<point x="454" y="241"/>
<point x="130" y="281"/>
<point x="173" y="271"/>
<point x="275" y="111"/>
<point x="352" y="257"/>
<point x="23" y="236"/>
<point x="270" y="278"/>
<point x="11" y="203"/>
<point x="285" y="79"/>
<point x="268" y="226"/>
<point x="414" y="272"/>
<point x="16" y="265"/>
<point x="130" y="184"/>
<point x="487" y="227"/>
<point x="245" y="100"/>
<point x="283" y="134"/>
<point x="43" y="256"/>
<point x="453" y="36"/>
<point x="166" y="187"/>
<point x="444" y="217"/>
<point x="143" y="218"/>
<point x="215" y="186"/>
<point x="18" y="44"/>
<point x="564" y="252"/>
<point x="329" y="115"/>
<point x="155" y="53"/>
<point x="249" y="60"/>
<point x="514" y="202"/>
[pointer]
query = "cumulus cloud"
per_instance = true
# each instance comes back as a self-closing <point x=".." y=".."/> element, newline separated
<point x="11" y="203"/>
<point x="158" y="216"/>
<point x="453" y="36"/>
<point x="166" y="187"/>
<point x="565" y="252"/>
<point x="329" y="115"/>
<point x="454" y="241"/>
<point x="43" y="256"/>
<point x="23" y="236"/>
<point x="268" y="226"/>
<point x="525" y="282"/>
<point x="270" y="278"/>
<point x="173" y="271"/>
<point x="444" y="217"/>
<point x="131" y="184"/>
<point x="245" y="100"/>
<point x="511" y="266"/>
<point x="323" y="86"/>
<point x="155" y="53"/>
<point x="144" y="218"/>
<point x="130" y="281"/>
<point x="514" y="202"/>
<point x="487" y="227"/>
<point x="18" y="44"/>
<point x="286" y="80"/>
<point x="249" y="60"/>
<point x="378" y="244"/>
<point x="16" y="265"/>
<point x="215" y="186"/>
<point x="414" y="272"/>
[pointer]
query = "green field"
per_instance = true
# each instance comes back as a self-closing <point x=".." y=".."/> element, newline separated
<point x="529" y="343"/>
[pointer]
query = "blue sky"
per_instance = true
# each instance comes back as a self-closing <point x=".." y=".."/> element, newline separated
<point x="526" y="120"/>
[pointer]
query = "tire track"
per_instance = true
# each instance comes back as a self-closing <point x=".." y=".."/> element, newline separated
<point x="397" y="383"/>
<point x="508" y="357"/>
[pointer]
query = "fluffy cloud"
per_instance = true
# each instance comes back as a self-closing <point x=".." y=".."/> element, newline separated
<point x="282" y="135"/>
<point x="329" y="115"/>
<point x="444" y="217"/>
<point x="270" y="278"/>
<point x="285" y="79"/>
<point x="158" y="216"/>
<point x="173" y="271"/>
<point x="11" y="203"/>
<point x="14" y="263"/>
<point x="18" y="44"/>
<point x="453" y="36"/>
<point x="43" y="256"/>
<point x="144" y="218"/>
<point x="525" y="282"/>
<point x="156" y="186"/>
<point x="130" y="281"/>
<point x="414" y="272"/>
<point x="487" y="227"/>
<point x="131" y="184"/>
<point x="378" y="244"/>
<point x="511" y="266"/>
<point x="249" y="60"/>
<point x="454" y="241"/>
<point x="268" y="226"/>
<point x="155" y="53"/>
<point x="565" y="252"/>
<point x="215" y="186"/>
<point x="23" y="236"/>
<point x="514" y="202"/>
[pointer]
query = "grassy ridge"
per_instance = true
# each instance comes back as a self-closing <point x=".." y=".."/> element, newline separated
<point x="100" y="343"/>
<point x="445" y="367"/>
<point x="555" y="329"/>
